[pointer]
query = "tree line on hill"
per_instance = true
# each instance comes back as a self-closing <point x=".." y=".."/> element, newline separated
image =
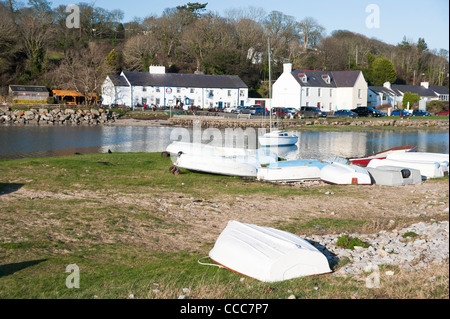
<point x="38" y="48"/>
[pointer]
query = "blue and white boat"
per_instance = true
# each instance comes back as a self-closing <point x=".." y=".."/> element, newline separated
<point x="294" y="170"/>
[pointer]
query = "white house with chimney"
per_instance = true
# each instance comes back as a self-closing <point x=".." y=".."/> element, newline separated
<point x="328" y="90"/>
<point x="159" y="88"/>
<point x="393" y="94"/>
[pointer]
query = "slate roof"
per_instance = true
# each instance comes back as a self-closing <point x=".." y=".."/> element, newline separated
<point x="118" y="80"/>
<point x="400" y="89"/>
<point x="439" y="89"/>
<point x="184" y="80"/>
<point x="316" y="78"/>
<point x="28" y="88"/>
<point x="381" y="89"/>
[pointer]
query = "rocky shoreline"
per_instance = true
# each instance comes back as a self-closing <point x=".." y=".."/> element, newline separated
<point x="57" y="116"/>
<point x="222" y="122"/>
<point x="414" y="247"/>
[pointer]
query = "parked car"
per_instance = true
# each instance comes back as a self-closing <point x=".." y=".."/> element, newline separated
<point x="311" y="111"/>
<point x="258" y="110"/>
<point x="420" y="113"/>
<point x="381" y="113"/>
<point x="400" y="112"/>
<point x="242" y="110"/>
<point x="442" y="113"/>
<point x="345" y="113"/>
<point x="283" y="112"/>
<point x="231" y="109"/>
<point x="367" y="111"/>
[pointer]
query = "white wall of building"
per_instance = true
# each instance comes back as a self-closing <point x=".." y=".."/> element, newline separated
<point x="171" y="96"/>
<point x="115" y="94"/>
<point x="288" y="92"/>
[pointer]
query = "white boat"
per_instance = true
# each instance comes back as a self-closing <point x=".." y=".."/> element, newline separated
<point x="293" y="170"/>
<point x="427" y="169"/>
<point x="441" y="158"/>
<point x="266" y="254"/>
<point x="264" y="156"/>
<point x="233" y="166"/>
<point x="394" y="176"/>
<point x="363" y="161"/>
<point x="278" y="138"/>
<point x="340" y="173"/>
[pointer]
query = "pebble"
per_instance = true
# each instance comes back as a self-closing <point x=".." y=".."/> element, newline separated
<point x="431" y="246"/>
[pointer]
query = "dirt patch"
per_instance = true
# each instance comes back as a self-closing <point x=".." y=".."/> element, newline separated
<point x="178" y="221"/>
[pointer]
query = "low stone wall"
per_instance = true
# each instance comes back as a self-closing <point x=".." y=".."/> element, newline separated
<point x="57" y="116"/>
<point x="221" y="122"/>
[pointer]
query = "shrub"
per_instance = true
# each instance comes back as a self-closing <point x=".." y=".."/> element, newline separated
<point x="348" y="242"/>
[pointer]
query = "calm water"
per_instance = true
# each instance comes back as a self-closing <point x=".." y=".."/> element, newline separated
<point x="27" y="141"/>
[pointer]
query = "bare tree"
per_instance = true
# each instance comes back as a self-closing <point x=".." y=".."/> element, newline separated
<point x="310" y="32"/>
<point x="84" y="70"/>
<point x="140" y="51"/>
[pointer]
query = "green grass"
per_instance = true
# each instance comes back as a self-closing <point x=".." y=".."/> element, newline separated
<point x="349" y="242"/>
<point x="98" y="211"/>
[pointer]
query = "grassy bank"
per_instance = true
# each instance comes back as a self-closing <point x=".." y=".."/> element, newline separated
<point x="132" y="227"/>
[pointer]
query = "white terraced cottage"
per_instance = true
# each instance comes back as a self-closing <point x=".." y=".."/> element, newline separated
<point x="159" y="88"/>
<point x="329" y="90"/>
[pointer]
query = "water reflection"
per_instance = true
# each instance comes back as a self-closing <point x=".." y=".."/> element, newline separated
<point x="26" y="141"/>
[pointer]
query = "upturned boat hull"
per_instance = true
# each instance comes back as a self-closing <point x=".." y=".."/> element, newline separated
<point x="364" y="161"/>
<point x="267" y="254"/>
<point x="343" y="174"/>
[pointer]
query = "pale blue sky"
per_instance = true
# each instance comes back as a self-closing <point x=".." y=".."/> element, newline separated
<point x="411" y="18"/>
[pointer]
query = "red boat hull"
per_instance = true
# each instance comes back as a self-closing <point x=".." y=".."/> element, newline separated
<point x="364" y="161"/>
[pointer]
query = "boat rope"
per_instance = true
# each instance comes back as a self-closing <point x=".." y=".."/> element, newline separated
<point x="207" y="264"/>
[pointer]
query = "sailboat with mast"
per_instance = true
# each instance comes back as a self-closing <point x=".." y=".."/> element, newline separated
<point x="275" y="137"/>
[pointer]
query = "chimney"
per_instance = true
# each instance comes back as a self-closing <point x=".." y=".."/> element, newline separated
<point x="287" y="67"/>
<point x="387" y="85"/>
<point x="157" y="69"/>
<point x="425" y="84"/>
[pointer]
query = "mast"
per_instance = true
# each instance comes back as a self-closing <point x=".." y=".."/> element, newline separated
<point x="270" y="81"/>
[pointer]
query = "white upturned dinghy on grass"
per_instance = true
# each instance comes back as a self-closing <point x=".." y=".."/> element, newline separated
<point x="264" y="156"/>
<point x="441" y="158"/>
<point x="344" y="174"/>
<point x="427" y="169"/>
<point x="234" y="166"/>
<point x="266" y="254"/>
<point x="294" y="170"/>
<point x="394" y="176"/>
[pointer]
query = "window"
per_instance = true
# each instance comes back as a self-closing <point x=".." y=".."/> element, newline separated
<point x="241" y="93"/>
<point x="307" y="103"/>
<point x="229" y="92"/>
<point x="144" y="89"/>
<point x="318" y="92"/>
<point x="144" y="101"/>
<point x="192" y="91"/>
<point x="158" y="90"/>
<point x="157" y="101"/>
<point x="307" y="91"/>
<point x="359" y="94"/>
<point x="331" y="92"/>
<point x="178" y="90"/>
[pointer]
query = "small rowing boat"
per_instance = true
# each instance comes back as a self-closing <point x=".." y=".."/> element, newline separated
<point x="266" y="254"/>
<point x="363" y="161"/>
<point x="394" y="176"/>
<point x="343" y="174"/>
<point x="232" y="166"/>
<point x="294" y="170"/>
<point x="427" y="169"/>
